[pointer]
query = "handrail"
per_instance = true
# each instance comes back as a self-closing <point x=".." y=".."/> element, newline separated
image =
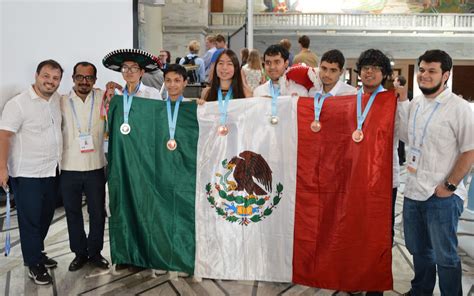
<point x="420" y="21"/>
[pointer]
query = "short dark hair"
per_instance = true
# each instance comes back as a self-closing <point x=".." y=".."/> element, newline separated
<point x="334" y="56"/>
<point x="276" y="49"/>
<point x="437" y="56"/>
<point x="220" y="38"/>
<point x="304" y="41"/>
<point x="52" y="63"/>
<point x="375" y="57"/>
<point x="178" y="69"/>
<point x="84" y="64"/>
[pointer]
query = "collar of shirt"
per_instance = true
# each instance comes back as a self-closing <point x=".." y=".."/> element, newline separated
<point x="33" y="94"/>
<point x="443" y="97"/>
<point x="333" y="90"/>
<point x="73" y="95"/>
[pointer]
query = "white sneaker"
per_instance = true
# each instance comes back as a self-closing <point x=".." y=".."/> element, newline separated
<point x="159" y="271"/>
<point x="197" y="279"/>
<point x="182" y="274"/>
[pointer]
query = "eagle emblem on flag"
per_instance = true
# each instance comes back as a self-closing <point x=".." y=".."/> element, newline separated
<point x="243" y="190"/>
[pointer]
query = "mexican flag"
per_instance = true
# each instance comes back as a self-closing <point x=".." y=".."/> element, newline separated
<point x="268" y="202"/>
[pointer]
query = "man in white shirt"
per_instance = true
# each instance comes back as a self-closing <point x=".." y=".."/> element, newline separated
<point x="331" y="69"/>
<point x="438" y="127"/>
<point x="276" y="61"/>
<point x="31" y="144"/>
<point x="83" y="165"/>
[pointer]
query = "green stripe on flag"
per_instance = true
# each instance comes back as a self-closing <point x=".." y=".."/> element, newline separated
<point x="151" y="189"/>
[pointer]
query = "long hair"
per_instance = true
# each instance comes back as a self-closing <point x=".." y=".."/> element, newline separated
<point x="236" y="84"/>
<point x="254" y="60"/>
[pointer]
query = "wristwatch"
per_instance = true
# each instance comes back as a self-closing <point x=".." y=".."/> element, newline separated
<point x="450" y="186"/>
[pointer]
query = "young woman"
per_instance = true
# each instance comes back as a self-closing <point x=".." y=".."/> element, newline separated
<point x="227" y="76"/>
<point x="252" y="72"/>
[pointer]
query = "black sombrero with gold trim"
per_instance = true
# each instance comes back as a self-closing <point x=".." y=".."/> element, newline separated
<point x="116" y="58"/>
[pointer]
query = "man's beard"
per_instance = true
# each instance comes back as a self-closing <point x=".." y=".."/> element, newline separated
<point x="431" y="90"/>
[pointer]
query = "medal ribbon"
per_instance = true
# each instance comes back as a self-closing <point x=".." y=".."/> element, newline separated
<point x="7" y="222"/>
<point x="127" y="102"/>
<point x="426" y="124"/>
<point x="275" y="93"/>
<point x="223" y="104"/>
<point x="76" y="118"/>
<point x="318" y="104"/>
<point x="361" y="116"/>
<point x="172" y="116"/>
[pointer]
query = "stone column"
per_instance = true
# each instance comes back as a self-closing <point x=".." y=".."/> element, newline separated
<point x="183" y="21"/>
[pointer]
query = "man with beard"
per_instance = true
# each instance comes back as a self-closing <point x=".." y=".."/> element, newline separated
<point x="30" y="153"/>
<point x="83" y="166"/>
<point x="438" y="127"/>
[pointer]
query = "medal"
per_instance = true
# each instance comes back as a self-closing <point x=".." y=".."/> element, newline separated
<point x="172" y="120"/>
<point x="127" y="105"/>
<point x="171" y="144"/>
<point x="275" y="93"/>
<point x="318" y="107"/>
<point x="274" y="120"/>
<point x="316" y="126"/>
<point x="357" y="136"/>
<point x="222" y="130"/>
<point x="125" y="128"/>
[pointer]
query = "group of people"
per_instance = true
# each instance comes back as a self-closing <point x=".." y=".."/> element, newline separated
<point x="47" y="139"/>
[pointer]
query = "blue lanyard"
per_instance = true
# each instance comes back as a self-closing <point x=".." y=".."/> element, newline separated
<point x="275" y="94"/>
<point x="127" y="101"/>
<point x="78" y="123"/>
<point x="7" y="222"/>
<point x="426" y="124"/>
<point x="223" y="103"/>
<point x="318" y="104"/>
<point x="172" y="116"/>
<point x="361" y="116"/>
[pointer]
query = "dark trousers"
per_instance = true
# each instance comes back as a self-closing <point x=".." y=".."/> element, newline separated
<point x="35" y="202"/>
<point x="72" y="185"/>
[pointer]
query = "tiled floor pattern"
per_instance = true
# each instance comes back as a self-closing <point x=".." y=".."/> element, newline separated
<point x="14" y="278"/>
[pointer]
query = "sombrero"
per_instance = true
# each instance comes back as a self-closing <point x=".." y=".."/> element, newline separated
<point x="116" y="58"/>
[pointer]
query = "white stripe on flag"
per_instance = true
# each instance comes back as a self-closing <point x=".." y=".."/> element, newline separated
<point x="260" y="250"/>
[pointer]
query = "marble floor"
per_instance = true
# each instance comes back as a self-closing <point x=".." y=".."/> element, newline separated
<point x="14" y="278"/>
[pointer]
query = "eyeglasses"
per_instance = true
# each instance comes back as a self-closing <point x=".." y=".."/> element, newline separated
<point x="89" y="78"/>
<point x="133" y="69"/>
<point x="371" y="68"/>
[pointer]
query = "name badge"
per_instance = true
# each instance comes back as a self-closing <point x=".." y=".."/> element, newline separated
<point x="85" y="143"/>
<point x="106" y="142"/>
<point x="413" y="159"/>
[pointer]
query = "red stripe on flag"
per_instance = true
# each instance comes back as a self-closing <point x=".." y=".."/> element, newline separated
<point x="343" y="196"/>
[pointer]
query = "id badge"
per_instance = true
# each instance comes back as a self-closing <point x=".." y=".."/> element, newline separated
<point x="85" y="143"/>
<point x="106" y="142"/>
<point x="413" y="159"/>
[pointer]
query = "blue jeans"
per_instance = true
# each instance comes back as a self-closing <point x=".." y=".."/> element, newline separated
<point x="430" y="235"/>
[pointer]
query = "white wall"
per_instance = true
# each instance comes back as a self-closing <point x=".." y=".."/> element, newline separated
<point x="67" y="31"/>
